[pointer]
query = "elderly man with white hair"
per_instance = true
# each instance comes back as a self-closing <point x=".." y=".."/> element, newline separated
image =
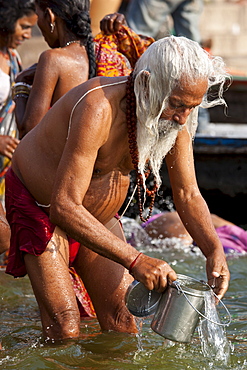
<point x="70" y="176"/>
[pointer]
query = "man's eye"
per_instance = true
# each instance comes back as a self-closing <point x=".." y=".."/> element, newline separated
<point x="180" y="106"/>
<point x="173" y="105"/>
<point x="176" y="106"/>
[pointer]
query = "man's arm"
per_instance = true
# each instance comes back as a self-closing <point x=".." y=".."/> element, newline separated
<point x="90" y="131"/>
<point x="194" y="211"/>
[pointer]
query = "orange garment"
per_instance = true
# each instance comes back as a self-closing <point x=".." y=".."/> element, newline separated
<point x="117" y="54"/>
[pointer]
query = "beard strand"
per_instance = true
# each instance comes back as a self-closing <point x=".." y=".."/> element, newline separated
<point x="152" y="148"/>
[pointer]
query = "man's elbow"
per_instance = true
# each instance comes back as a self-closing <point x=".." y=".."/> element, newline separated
<point x="57" y="213"/>
<point x="188" y="195"/>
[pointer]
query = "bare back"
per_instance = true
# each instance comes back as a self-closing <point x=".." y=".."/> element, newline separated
<point x="58" y="70"/>
<point x="90" y="154"/>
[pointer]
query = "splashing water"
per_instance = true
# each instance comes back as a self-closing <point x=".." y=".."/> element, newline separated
<point x="138" y="238"/>
<point x="139" y="323"/>
<point x="213" y="338"/>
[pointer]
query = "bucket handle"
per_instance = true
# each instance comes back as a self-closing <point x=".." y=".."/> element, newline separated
<point x="178" y="286"/>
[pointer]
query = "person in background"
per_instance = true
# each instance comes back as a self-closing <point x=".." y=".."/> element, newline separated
<point x="17" y="17"/>
<point x="73" y="58"/>
<point x="70" y="176"/>
<point x="65" y="26"/>
<point x="146" y="17"/>
<point x="168" y="225"/>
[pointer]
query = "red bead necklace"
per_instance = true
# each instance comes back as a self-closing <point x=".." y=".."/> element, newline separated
<point x="132" y="132"/>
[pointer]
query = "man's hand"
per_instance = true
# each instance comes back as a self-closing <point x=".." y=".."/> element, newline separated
<point x="153" y="273"/>
<point x="111" y="23"/>
<point x="218" y="273"/>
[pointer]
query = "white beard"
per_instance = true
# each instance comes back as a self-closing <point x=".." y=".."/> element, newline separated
<point x="154" y="146"/>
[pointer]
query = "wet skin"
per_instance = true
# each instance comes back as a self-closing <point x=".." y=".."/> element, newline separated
<point x="58" y="70"/>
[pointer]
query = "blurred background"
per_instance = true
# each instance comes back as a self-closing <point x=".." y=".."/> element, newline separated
<point x="223" y="25"/>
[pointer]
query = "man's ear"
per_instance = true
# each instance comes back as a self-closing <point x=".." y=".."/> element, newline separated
<point x="145" y="75"/>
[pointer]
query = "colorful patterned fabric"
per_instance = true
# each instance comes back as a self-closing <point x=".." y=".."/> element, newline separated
<point x="117" y="54"/>
<point x="85" y="304"/>
<point x="7" y="118"/>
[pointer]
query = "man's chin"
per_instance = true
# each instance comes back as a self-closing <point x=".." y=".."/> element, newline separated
<point x="156" y="151"/>
<point x="166" y="127"/>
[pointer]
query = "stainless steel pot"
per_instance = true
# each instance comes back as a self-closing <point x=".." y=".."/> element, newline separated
<point x="176" y="316"/>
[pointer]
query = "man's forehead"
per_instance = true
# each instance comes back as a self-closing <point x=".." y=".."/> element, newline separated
<point x="185" y="89"/>
<point x="190" y="82"/>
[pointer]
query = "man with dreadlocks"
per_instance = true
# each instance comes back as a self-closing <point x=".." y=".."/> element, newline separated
<point x="70" y="175"/>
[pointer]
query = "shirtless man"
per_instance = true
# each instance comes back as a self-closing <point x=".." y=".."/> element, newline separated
<point x="70" y="176"/>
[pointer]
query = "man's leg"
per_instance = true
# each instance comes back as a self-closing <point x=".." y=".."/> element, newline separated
<point x="147" y="16"/>
<point x="106" y="283"/>
<point x="186" y="19"/>
<point x="53" y="290"/>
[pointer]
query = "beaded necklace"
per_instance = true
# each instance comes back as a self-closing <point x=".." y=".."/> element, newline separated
<point x="72" y="42"/>
<point x="132" y="132"/>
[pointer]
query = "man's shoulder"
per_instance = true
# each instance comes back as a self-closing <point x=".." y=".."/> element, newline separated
<point x="102" y="87"/>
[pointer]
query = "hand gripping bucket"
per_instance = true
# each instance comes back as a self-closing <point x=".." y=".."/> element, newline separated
<point x="179" y="309"/>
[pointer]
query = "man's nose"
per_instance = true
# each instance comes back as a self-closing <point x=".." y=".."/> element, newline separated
<point x="181" y="117"/>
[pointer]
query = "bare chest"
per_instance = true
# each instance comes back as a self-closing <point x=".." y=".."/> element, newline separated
<point x="106" y="194"/>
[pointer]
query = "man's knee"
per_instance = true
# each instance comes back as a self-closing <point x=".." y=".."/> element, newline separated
<point x="119" y="320"/>
<point x="65" y="324"/>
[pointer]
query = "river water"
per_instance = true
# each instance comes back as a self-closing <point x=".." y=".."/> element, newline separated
<point x="20" y="327"/>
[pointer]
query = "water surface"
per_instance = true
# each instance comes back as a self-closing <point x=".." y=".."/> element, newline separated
<point x="20" y="328"/>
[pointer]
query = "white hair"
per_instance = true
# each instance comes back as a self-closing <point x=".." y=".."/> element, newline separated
<point x="159" y="70"/>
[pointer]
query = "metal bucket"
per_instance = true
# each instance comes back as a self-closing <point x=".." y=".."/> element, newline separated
<point x="176" y="316"/>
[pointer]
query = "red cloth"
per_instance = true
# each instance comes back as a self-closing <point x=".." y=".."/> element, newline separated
<point x="31" y="228"/>
<point x="31" y="231"/>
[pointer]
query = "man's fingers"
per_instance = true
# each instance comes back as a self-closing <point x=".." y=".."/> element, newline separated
<point x="219" y="285"/>
<point x="215" y="274"/>
<point x="164" y="280"/>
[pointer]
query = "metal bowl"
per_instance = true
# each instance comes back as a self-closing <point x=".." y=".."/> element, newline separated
<point x="140" y="301"/>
